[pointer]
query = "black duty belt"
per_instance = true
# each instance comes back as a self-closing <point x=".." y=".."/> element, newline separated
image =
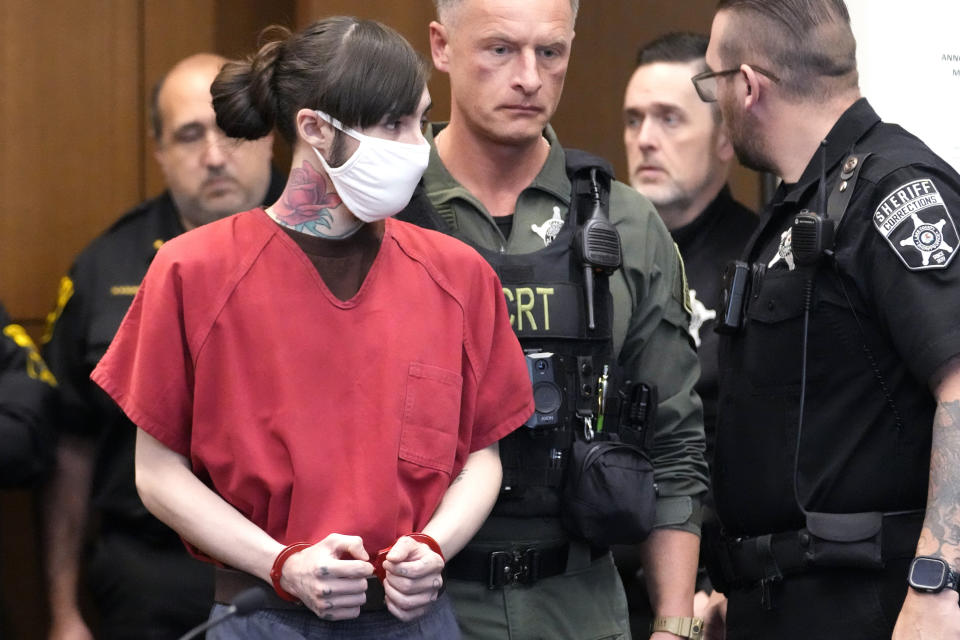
<point x="514" y="566"/>
<point x="229" y="583"/>
<point x="738" y="563"/>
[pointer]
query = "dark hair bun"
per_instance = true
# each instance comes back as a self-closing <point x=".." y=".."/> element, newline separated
<point x="358" y="71"/>
<point x="243" y="92"/>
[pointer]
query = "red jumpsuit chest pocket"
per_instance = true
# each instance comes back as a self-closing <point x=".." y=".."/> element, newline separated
<point x="431" y="417"/>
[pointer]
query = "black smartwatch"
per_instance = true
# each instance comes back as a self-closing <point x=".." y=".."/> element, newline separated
<point x="932" y="575"/>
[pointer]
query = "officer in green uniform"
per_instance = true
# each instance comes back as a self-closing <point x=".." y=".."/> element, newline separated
<point x="497" y="178"/>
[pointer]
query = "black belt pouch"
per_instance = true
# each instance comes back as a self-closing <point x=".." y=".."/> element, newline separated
<point x="846" y="539"/>
<point x="608" y="494"/>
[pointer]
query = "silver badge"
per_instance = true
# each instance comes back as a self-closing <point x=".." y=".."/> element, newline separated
<point x="699" y="314"/>
<point x="549" y="230"/>
<point x="785" y="251"/>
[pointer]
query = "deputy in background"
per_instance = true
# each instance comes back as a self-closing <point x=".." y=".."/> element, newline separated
<point x="143" y="582"/>
<point x="836" y="460"/>
<point x="679" y="157"/>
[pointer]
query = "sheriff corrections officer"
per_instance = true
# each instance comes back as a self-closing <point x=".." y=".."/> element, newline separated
<point x="840" y="377"/>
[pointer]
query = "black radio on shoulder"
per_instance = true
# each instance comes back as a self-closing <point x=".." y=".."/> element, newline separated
<point x="811" y="234"/>
<point x="811" y="237"/>
<point x="598" y="245"/>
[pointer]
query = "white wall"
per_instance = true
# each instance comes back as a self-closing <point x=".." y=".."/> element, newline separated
<point x="909" y="59"/>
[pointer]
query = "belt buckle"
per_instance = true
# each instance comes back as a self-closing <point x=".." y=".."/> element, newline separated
<point x="513" y="567"/>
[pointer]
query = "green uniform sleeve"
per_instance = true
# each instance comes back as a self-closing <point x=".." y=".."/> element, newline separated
<point x="651" y="319"/>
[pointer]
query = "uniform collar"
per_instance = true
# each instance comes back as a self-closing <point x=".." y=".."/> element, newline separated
<point x="855" y="122"/>
<point x="551" y="179"/>
<point x="722" y="202"/>
<point x="170" y="224"/>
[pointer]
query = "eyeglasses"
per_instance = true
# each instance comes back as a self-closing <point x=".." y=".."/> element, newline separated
<point x="706" y="83"/>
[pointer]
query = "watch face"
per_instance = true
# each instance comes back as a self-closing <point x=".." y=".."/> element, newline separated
<point x="928" y="574"/>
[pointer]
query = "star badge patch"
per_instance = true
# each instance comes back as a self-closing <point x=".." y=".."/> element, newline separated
<point x="916" y="224"/>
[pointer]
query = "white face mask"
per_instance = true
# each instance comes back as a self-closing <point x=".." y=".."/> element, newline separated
<point x="377" y="181"/>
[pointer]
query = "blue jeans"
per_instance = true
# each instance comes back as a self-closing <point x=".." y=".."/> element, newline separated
<point x="280" y="624"/>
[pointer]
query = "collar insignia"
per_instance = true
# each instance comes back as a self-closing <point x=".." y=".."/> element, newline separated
<point x="549" y="230"/>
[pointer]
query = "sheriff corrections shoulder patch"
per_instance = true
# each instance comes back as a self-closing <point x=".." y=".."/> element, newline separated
<point x="916" y="224"/>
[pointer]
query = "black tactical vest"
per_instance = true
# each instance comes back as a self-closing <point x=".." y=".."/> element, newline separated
<point x="546" y="298"/>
